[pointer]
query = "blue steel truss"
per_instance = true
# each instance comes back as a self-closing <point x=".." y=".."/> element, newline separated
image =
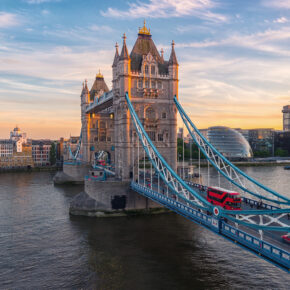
<point x="279" y="257"/>
<point x="232" y="173"/>
<point x="273" y="220"/>
<point x="75" y="155"/>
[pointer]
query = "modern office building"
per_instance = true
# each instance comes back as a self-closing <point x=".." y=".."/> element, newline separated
<point x="6" y="148"/>
<point x="286" y="118"/>
<point x="229" y="142"/>
<point x="41" y="152"/>
<point x="262" y="139"/>
<point x="282" y="141"/>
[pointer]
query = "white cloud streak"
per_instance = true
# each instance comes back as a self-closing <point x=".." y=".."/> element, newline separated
<point x="279" y="4"/>
<point x="281" y="20"/>
<point x="9" y="20"/>
<point x="169" y="8"/>
<point x="266" y="41"/>
<point x="40" y="1"/>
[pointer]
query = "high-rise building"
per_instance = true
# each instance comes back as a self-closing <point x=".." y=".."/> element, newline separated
<point x="286" y="118"/>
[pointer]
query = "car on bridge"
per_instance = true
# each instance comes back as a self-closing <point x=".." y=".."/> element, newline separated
<point x="227" y="199"/>
<point x="286" y="238"/>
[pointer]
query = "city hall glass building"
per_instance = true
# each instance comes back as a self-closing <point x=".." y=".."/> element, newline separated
<point x="231" y="143"/>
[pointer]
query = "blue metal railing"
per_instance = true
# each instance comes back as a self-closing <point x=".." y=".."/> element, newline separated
<point x="275" y="254"/>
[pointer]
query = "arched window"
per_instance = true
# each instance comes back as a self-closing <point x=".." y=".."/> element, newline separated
<point x="102" y="125"/>
<point x="150" y="114"/>
<point x="146" y="69"/>
<point x="140" y="84"/>
<point x="153" y="69"/>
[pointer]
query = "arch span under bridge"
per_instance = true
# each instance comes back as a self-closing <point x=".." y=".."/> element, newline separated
<point x="257" y="227"/>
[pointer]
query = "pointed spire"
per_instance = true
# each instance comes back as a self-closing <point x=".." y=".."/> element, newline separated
<point x="116" y="58"/>
<point x="86" y="85"/>
<point x="173" y="58"/>
<point x="124" y="53"/>
<point x="99" y="75"/>
<point x="162" y="53"/>
<point x="144" y="29"/>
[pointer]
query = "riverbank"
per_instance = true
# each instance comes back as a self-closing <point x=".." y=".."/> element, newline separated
<point x="32" y="169"/>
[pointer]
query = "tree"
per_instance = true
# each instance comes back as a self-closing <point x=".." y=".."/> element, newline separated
<point x="262" y="153"/>
<point x="52" y="154"/>
<point x="281" y="152"/>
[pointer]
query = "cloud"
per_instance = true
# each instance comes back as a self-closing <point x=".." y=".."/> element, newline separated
<point x="281" y="20"/>
<point x="279" y="4"/>
<point x="266" y="41"/>
<point x="9" y="20"/>
<point x="101" y="28"/>
<point x="45" y="12"/>
<point x="167" y="9"/>
<point x="40" y="1"/>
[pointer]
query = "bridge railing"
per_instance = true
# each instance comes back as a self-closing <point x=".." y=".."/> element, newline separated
<point x="220" y="226"/>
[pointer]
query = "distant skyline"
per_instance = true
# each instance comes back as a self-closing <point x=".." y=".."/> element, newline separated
<point x="234" y="58"/>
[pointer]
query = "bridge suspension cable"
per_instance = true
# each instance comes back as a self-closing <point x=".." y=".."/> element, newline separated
<point x="270" y="219"/>
<point x="75" y="155"/>
<point x="167" y="174"/>
<point x="232" y="173"/>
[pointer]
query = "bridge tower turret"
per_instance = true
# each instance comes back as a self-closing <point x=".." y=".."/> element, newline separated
<point x="173" y="72"/>
<point x="85" y="99"/>
<point x="173" y="91"/>
<point x="121" y="85"/>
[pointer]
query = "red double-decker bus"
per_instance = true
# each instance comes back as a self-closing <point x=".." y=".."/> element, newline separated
<point x="225" y="198"/>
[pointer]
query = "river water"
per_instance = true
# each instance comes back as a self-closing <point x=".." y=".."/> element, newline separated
<point x="42" y="247"/>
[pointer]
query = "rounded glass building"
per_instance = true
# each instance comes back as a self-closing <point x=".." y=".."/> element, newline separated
<point x="231" y="143"/>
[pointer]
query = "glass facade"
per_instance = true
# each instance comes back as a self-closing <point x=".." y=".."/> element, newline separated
<point x="229" y="142"/>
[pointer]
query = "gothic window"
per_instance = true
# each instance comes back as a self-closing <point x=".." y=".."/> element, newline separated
<point x="140" y="83"/>
<point x="146" y="84"/>
<point x="159" y="85"/>
<point x="164" y="116"/>
<point x="160" y="137"/>
<point x="150" y="114"/>
<point x="94" y="126"/>
<point x="103" y="137"/>
<point x="96" y="139"/>
<point x="153" y="85"/>
<point x="146" y="69"/>
<point x="102" y="125"/>
<point x="153" y="70"/>
<point x="151" y="135"/>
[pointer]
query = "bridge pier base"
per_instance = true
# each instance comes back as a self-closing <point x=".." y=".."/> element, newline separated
<point x="112" y="198"/>
<point x="72" y="174"/>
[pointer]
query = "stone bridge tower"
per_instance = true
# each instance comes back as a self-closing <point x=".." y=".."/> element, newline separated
<point x="151" y="83"/>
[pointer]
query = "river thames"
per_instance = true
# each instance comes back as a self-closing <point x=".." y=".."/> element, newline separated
<point x="43" y="247"/>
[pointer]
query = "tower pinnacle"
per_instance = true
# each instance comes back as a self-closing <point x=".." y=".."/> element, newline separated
<point x="144" y="29"/>
<point x="124" y="53"/>
<point x="173" y="58"/>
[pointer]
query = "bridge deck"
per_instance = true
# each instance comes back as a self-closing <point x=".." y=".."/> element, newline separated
<point x="271" y="247"/>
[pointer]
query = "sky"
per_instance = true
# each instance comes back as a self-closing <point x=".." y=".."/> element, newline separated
<point x="234" y="58"/>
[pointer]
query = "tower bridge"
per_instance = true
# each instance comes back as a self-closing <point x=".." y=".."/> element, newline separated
<point x="135" y="124"/>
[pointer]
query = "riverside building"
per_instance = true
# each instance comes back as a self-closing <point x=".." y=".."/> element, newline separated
<point x="286" y="118"/>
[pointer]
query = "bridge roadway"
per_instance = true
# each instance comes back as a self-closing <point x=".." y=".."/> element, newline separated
<point x="273" y="237"/>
